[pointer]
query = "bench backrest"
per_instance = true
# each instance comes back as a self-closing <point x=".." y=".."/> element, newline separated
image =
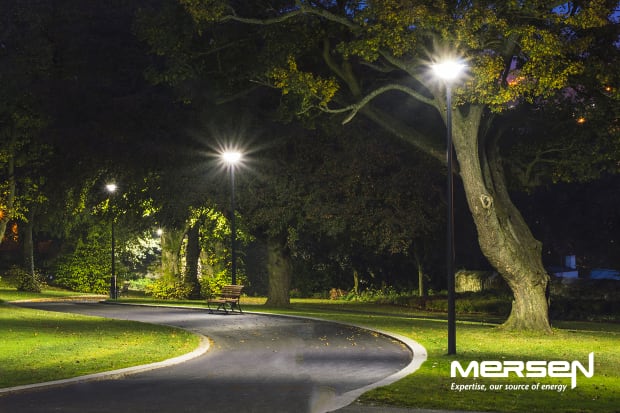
<point x="231" y="291"/>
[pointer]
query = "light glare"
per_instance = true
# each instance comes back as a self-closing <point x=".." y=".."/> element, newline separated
<point x="231" y="157"/>
<point x="448" y="70"/>
<point x="111" y="187"/>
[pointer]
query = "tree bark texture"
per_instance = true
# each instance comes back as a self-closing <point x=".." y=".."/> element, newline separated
<point x="171" y="241"/>
<point x="29" y="244"/>
<point x="504" y="237"/>
<point x="7" y="214"/>
<point x="279" y="268"/>
<point x="192" y="256"/>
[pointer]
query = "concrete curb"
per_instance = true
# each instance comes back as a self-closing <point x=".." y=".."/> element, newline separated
<point x="199" y="351"/>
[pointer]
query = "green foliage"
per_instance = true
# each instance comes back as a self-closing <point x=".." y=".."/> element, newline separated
<point x="314" y="90"/>
<point x="216" y="253"/>
<point x="205" y="10"/>
<point x="209" y="286"/>
<point x="88" y="267"/>
<point x="383" y="295"/>
<point x="24" y="281"/>
<point x="139" y="252"/>
<point x="141" y="284"/>
<point x="169" y="289"/>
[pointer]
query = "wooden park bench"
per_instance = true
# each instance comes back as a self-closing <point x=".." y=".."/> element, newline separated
<point x="227" y="299"/>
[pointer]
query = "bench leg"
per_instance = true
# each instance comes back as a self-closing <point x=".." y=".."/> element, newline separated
<point x="220" y="306"/>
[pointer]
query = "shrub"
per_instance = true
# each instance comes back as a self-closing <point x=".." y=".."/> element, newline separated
<point x="141" y="284"/>
<point x="88" y="268"/>
<point x="169" y="289"/>
<point x="211" y="285"/>
<point x="25" y="281"/>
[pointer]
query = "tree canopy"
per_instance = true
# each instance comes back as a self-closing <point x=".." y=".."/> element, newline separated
<point x="373" y="58"/>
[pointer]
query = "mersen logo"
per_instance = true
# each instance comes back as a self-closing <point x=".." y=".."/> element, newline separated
<point x="555" y="368"/>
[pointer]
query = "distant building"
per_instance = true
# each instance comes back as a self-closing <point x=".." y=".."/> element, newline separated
<point x="604" y="274"/>
<point x="568" y="270"/>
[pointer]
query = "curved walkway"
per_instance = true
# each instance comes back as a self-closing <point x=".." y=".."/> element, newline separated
<point x="256" y="363"/>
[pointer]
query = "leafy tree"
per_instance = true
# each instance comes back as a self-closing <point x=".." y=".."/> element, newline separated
<point x="25" y="61"/>
<point x="349" y="56"/>
<point x="88" y="267"/>
<point x="318" y="202"/>
<point x="281" y="186"/>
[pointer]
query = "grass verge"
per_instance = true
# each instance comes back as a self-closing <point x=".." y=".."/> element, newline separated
<point x="38" y="346"/>
<point x="431" y="387"/>
<point x="478" y="338"/>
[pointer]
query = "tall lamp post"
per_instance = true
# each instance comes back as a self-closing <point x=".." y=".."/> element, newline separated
<point x="449" y="71"/>
<point x="111" y="188"/>
<point x="232" y="158"/>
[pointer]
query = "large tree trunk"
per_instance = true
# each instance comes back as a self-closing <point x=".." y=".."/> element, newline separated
<point x="504" y="237"/>
<point x="29" y="243"/>
<point x="191" y="261"/>
<point x="6" y="210"/>
<point x="279" y="268"/>
<point x="416" y="257"/>
<point x="171" y="241"/>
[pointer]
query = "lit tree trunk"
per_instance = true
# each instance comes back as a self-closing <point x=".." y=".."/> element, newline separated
<point x="191" y="261"/>
<point x="6" y="207"/>
<point x="279" y="268"/>
<point x="504" y="237"/>
<point x="29" y="243"/>
<point x="171" y="241"/>
<point x="416" y="256"/>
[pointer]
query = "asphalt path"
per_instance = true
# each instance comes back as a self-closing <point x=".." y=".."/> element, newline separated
<point x="255" y="363"/>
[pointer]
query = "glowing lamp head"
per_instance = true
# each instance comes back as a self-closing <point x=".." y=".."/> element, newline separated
<point x="448" y="70"/>
<point x="231" y="157"/>
<point x="111" y="188"/>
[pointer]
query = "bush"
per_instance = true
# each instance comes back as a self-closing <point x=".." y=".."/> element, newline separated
<point x="24" y="281"/>
<point x="211" y="285"/>
<point x="88" y="268"/>
<point x="384" y="295"/>
<point x="141" y="284"/>
<point x="563" y="308"/>
<point x="169" y="289"/>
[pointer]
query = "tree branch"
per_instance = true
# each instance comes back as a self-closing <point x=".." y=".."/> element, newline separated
<point x="540" y="158"/>
<point x="356" y="107"/>
<point x="424" y="142"/>
<point x="345" y="73"/>
<point x="301" y="9"/>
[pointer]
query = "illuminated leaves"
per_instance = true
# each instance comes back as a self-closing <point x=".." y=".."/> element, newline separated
<point x="391" y="25"/>
<point x="517" y="51"/>
<point x="314" y="90"/>
<point x="205" y="10"/>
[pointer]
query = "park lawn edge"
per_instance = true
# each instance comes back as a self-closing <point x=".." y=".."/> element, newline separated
<point x="430" y="386"/>
<point x="432" y="381"/>
<point x="44" y="346"/>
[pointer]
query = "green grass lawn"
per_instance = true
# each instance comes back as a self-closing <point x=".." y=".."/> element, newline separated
<point x="37" y="346"/>
<point x="478" y="338"/>
<point x="430" y="386"/>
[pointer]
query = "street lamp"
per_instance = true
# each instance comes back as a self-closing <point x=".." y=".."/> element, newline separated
<point x="449" y="71"/>
<point x="111" y="188"/>
<point x="232" y="158"/>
